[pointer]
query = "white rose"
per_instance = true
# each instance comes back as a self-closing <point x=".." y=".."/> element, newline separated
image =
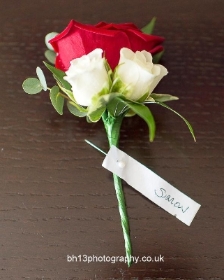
<point x="88" y="77"/>
<point x="139" y="76"/>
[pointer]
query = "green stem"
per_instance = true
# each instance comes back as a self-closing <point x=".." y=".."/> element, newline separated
<point x="112" y="126"/>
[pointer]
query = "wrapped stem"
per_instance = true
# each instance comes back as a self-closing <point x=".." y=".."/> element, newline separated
<point x="112" y="126"/>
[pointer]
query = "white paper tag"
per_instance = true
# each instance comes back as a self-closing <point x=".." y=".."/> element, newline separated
<point x="151" y="185"/>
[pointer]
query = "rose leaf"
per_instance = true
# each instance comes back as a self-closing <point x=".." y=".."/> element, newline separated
<point x="143" y="111"/>
<point x="32" y="86"/>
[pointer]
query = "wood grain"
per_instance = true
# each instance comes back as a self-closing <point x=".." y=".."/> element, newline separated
<point x="57" y="200"/>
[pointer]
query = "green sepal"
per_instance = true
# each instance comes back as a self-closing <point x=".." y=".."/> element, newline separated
<point x="156" y="57"/>
<point x="57" y="99"/>
<point x="160" y="97"/>
<point x="32" y="86"/>
<point x="76" y="110"/>
<point x="109" y="72"/>
<point x="98" y="107"/>
<point x="58" y="75"/>
<point x="148" y="29"/>
<point x="118" y="85"/>
<point x="130" y="113"/>
<point x="187" y="122"/>
<point x="95" y="116"/>
<point x="143" y="98"/>
<point x="117" y="106"/>
<point x="143" y="111"/>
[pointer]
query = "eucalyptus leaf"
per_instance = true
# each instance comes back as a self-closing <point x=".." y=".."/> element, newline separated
<point x="50" y="56"/>
<point x="58" y="75"/>
<point x="160" y="97"/>
<point x="57" y="100"/>
<point x="148" y="29"/>
<point x="32" y="86"/>
<point x="143" y="111"/>
<point x="41" y="77"/>
<point x="76" y="109"/>
<point x="187" y="122"/>
<point x="156" y="57"/>
<point x="48" y="37"/>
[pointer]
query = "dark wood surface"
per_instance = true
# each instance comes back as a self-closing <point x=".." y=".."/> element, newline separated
<point x="57" y="200"/>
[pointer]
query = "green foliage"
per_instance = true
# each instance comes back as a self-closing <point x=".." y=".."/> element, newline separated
<point x="148" y="29"/>
<point x="162" y="97"/>
<point x="187" y="123"/>
<point x="58" y="75"/>
<point x="119" y="105"/>
<point x="57" y="99"/>
<point x="50" y="56"/>
<point x="41" y="77"/>
<point x="32" y="86"/>
<point x="76" y="110"/>
<point x="156" y="57"/>
<point x="94" y="116"/>
<point x="143" y="111"/>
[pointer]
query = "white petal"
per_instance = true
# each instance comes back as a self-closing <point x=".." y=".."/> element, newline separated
<point x="163" y="72"/>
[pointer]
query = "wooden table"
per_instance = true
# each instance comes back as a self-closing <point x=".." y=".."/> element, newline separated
<point x="56" y="199"/>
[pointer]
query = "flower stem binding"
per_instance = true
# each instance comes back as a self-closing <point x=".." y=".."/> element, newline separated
<point x="112" y="126"/>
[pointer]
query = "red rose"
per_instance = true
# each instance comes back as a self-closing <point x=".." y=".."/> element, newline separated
<point x="78" y="39"/>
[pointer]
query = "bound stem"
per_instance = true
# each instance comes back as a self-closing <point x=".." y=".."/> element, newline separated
<point x="112" y="126"/>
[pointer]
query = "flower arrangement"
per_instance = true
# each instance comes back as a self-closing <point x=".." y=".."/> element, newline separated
<point x="107" y="71"/>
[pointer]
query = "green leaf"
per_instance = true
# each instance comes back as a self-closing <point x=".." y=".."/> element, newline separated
<point x="67" y="92"/>
<point x="76" y="109"/>
<point x="97" y="108"/>
<point x="48" y="37"/>
<point x="143" y="111"/>
<point x="58" y="75"/>
<point x="148" y="29"/>
<point x="57" y="100"/>
<point x="41" y="77"/>
<point x="187" y="123"/>
<point x="32" y="86"/>
<point x="117" y="106"/>
<point x="162" y="97"/>
<point x="50" y="56"/>
<point x="95" y="115"/>
<point x="156" y="57"/>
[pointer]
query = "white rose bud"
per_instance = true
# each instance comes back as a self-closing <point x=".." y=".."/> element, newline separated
<point x="88" y="77"/>
<point x="139" y="76"/>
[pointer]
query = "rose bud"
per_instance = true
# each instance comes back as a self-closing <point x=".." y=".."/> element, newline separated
<point x="88" y="77"/>
<point x="137" y="75"/>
